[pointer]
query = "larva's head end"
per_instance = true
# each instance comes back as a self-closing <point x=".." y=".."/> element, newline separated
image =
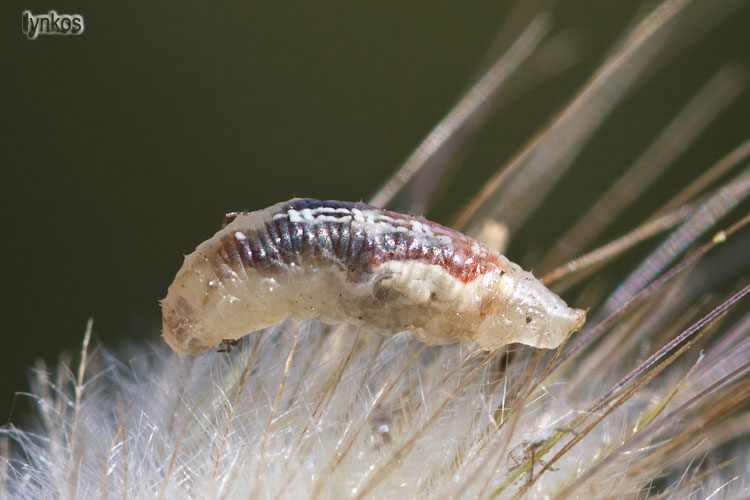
<point x="579" y="319"/>
<point x="572" y="321"/>
<point x="179" y="332"/>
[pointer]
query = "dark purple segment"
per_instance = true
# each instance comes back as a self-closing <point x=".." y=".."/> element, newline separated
<point x="279" y="243"/>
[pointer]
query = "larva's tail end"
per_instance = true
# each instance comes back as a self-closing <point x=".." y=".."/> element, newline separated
<point x="177" y="332"/>
<point x="181" y="348"/>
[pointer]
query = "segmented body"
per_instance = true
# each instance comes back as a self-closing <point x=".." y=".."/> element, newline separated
<point x="351" y="262"/>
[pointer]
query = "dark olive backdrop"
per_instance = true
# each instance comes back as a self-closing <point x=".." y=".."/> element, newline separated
<point x="122" y="148"/>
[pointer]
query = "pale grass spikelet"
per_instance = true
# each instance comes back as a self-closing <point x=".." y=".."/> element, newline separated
<point x="649" y="400"/>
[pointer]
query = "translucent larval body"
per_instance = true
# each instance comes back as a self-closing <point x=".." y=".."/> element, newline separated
<point x="351" y="262"/>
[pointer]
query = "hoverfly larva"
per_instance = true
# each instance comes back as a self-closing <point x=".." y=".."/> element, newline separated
<point x="350" y="262"/>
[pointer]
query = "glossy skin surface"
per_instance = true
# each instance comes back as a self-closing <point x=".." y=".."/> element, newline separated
<point x="350" y="262"/>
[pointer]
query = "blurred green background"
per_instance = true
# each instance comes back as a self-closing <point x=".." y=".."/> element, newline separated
<point x="123" y="147"/>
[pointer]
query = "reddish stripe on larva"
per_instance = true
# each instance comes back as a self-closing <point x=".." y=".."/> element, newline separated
<point x="469" y="259"/>
<point x="339" y="261"/>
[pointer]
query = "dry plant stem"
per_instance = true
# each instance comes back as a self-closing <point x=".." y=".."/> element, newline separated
<point x="554" y="55"/>
<point x="649" y="418"/>
<point x="519" y="401"/>
<point x="736" y="338"/>
<point x="519" y="398"/>
<point x="706" y="216"/>
<point x="551" y="364"/>
<point x="667" y="217"/>
<point x="723" y="88"/>
<point x="348" y="441"/>
<point x="323" y="401"/>
<point x="494" y="428"/>
<point x="594" y="332"/>
<point x="721" y="167"/>
<point x="467" y="108"/>
<point x="623" y="338"/>
<point x="405" y="449"/>
<point x="178" y="443"/>
<point x="309" y="363"/>
<point x="684" y="437"/>
<point x="448" y="378"/>
<point x="726" y="427"/>
<point x="4" y="453"/>
<point x="287" y="367"/>
<point x="647" y="376"/>
<point x="554" y="147"/>
<point x="72" y="466"/>
<point x="515" y="417"/>
<point x="386" y="392"/>
<point x="227" y="427"/>
<point x="549" y="443"/>
<point x="231" y="478"/>
<point x="695" y="480"/>
<point x="648" y="433"/>
<point x="191" y="417"/>
<point x="517" y="392"/>
<point x="328" y="390"/>
<point x="123" y="434"/>
<point x="43" y="381"/>
<point x="503" y="450"/>
<point x="592" y="260"/>
<point x="120" y="435"/>
<point x="722" y="487"/>
<point x="180" y="396"/>
<point x="382" y="472"/>
<point x="62" y="399"/>
<point x="674" y="343"/>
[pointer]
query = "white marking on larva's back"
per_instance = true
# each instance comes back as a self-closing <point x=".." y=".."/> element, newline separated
<point x="445" y="240"/>
<point x="330" y="210"/>
<point x="375" y="222"/>
<point x="310" y="216"/>
<point x="377" y="216"/>
<point x="478" y="249"/>
<point x="419" y="227"/>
